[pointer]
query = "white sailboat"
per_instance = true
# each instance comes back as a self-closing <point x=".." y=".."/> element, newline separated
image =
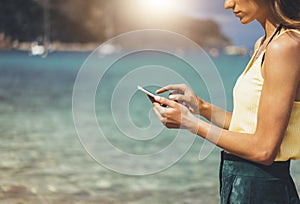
<point x="40" y="48"/>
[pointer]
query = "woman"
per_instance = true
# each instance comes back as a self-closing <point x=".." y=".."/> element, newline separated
<point x="262" y="134"/>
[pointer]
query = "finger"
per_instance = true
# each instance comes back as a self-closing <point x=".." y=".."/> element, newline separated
<point x="177" y="97"/>
<point x="172" y="125"/>
<point x="155" y="104"/>
<point x="165" y="101"/>
<point x="173" y="94"/>
<point x="162" y="111"/>
<point x="164" y="120"/>
<point x="176" y="92"/>
<point x="160" y="117"/>
<point x="158" y="114"/>
<point x="178" y="87"/>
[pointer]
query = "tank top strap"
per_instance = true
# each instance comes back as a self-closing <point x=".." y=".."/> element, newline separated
<point x="287" y="31"/>
<point x="274" y="36"/>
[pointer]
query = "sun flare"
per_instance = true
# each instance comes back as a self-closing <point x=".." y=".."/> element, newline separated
<point x="158" y="5"/>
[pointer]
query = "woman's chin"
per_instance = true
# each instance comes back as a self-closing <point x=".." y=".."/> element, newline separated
<point x="246" y="19"/>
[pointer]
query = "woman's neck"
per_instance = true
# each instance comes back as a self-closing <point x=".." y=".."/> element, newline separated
<point x="270" y="28"/>
<point x="269" y="24"/>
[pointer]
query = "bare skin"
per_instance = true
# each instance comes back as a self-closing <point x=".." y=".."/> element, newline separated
<point x="281" y="73"/>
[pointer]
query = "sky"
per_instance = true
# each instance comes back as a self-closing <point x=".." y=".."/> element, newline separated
<point x="239" y="34"/>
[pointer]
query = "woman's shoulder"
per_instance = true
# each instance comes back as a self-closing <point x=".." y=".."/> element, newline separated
<point x="287" y="41"/>
<point x="286" y="45"/>
<point x="283" y="52"/>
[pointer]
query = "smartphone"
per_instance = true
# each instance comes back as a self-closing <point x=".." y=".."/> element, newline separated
<point x="148" y="93"/>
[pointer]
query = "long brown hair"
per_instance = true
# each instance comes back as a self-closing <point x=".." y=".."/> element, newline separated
<point x="287" y="12"/>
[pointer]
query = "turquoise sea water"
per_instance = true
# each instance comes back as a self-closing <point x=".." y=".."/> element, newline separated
<point x="43" y="161"/>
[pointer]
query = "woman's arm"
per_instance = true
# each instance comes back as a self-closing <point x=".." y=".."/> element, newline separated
<point x="281" y="73"/>
<point x="216" y="115"/>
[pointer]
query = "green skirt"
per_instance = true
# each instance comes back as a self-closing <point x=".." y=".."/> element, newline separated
<point x="245" y="182"/>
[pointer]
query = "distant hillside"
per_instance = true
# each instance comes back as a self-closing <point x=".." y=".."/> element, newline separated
<point x="95" y="21"/>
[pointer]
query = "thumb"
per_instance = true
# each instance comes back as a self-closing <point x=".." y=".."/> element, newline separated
<point x="165" y="101"/>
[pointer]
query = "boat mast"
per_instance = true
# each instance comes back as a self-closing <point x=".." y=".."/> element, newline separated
<point x="46" y="23"/>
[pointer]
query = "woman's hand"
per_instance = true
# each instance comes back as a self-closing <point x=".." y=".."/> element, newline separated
<point x="175" y="115"/>
<point x="184" y="95"/>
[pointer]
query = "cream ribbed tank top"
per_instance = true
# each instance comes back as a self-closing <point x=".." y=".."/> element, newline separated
<point x="246" y="96"/>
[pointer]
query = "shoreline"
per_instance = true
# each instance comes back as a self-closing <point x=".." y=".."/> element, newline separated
<point x="90" y="46"/>
<point x="54" y="46"/>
